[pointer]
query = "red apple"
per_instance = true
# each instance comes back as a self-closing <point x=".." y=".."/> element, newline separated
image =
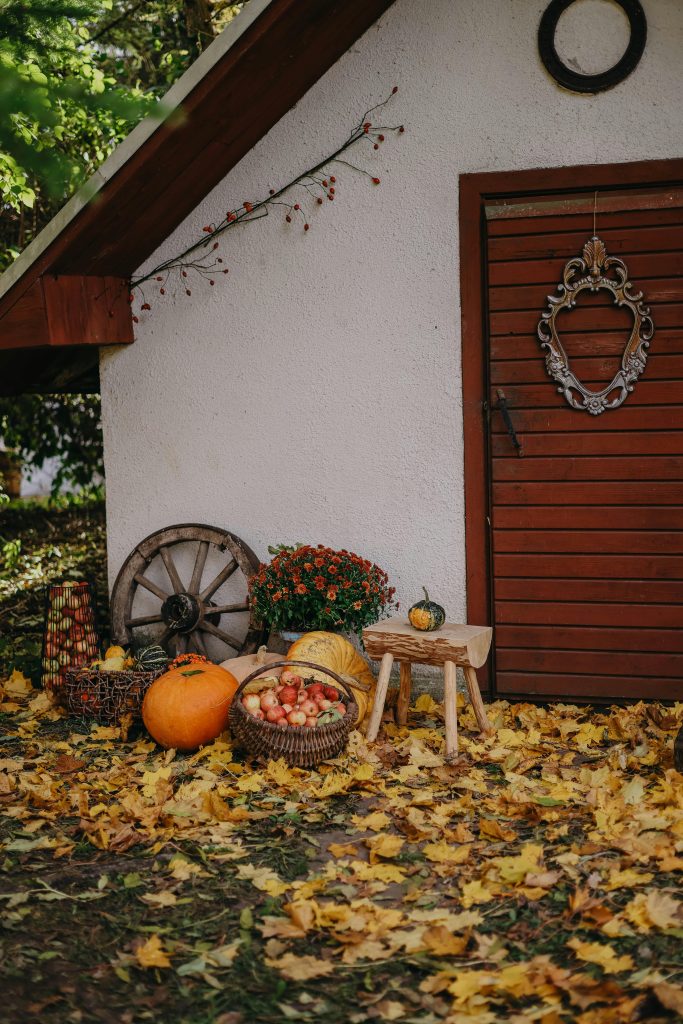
<point x="252" y="702"/>
<point x="282" y="723"/>
<point x="331" y="693"/>
<point x="81" y="615"/>
<point x="311" y="722"/>
<point x="274" y="714"/>
<point x="296" y="718"/>
<point x="288" y="695"/>
<point x="258" y="714"/>
<point x="340" y="707"/>
<point x="324" y="704"/>
<point x="309" y="708"/>
<point x="269" y="700"/>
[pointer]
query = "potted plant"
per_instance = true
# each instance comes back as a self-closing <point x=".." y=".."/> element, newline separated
<point x="306" y="588"/>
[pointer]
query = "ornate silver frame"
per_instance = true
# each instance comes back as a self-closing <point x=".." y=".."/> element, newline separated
<point x="594" y="266"/>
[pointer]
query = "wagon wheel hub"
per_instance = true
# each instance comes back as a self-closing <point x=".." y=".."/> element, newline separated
<point x="184" y="612"/>
<point x="181" y="612"/>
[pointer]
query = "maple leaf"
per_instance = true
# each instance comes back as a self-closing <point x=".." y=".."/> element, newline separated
<point x="603" y="956"/>
<point x="441" y="942"/>
<point x="152" y="953"/>
<point x="301" y="967"/>
<point x="263" y="878"/>
<point x="384" y="846"/>
<point x="444" y="853"/>
<point x="654" y="909"/>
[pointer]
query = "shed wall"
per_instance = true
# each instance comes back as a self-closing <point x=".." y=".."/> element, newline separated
<point x="314" y="394"/>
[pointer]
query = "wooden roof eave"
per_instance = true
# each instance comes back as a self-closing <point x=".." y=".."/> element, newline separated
<point x="272" y="53"/>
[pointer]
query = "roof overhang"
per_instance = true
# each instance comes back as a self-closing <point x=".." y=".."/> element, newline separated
<point x="67" y="292"/>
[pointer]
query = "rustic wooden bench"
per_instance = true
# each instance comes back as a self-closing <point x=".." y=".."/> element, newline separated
<point x="450" y="646"/>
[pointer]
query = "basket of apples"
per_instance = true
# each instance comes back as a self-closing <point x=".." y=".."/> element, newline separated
<point x="301" y="719"/>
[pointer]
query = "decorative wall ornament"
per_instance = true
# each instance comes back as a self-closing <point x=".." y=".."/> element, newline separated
<point x="574" y="80"/>
<point x="593" y="268"/>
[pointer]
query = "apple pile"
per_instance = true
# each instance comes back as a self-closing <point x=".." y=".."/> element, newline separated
<point x="70" y="639"/>
<point x="291" y="702"/>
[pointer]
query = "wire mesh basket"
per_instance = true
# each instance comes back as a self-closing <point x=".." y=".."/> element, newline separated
<point x="70" y="637"/>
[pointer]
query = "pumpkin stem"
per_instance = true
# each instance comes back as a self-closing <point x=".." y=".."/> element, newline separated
<point x="424" y="590"/>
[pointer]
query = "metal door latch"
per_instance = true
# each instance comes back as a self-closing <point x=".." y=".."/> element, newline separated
<point x="502" y="405"/>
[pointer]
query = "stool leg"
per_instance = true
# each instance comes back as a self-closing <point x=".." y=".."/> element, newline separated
<point x="477" y="702"/>
<point x="405" y="680"/>
<point x="450" y="709"/>
<point x="380" y="697"/>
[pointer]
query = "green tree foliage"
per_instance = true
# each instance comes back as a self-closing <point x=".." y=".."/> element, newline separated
<point x="75" y="78"/>
<point x="63" y="427"/>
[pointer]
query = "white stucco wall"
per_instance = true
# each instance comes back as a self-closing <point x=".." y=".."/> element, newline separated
<point x="315" y="393"/>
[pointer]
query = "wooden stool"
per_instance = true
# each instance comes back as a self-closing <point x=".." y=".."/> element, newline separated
<point x="451" y="645"/>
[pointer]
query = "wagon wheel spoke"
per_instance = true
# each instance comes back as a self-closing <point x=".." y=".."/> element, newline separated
<point x="181" y="643"/>
<point x="167" y="559"/>
<point x="219" y="580"/>
<point x="226" y="609"/>
<point x="231" y="641"/>
<point x="142" y="581"/>
<point x="198" y="641"/>
<point x="200" y="562"/>
<point x="166" y="636"/>
<point x="143" y="620"/>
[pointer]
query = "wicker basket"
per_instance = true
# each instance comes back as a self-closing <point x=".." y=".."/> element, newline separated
<point x="301" y="748"/>
<point x="107" y="696"/>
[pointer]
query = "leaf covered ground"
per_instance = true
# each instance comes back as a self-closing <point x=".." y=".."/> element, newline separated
<point x="535" y="880"/>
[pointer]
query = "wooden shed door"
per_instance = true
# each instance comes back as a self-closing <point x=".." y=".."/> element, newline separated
<point x="586" y="530"/>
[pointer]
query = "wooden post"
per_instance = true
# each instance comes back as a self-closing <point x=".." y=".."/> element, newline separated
<point x="380" y="697"/>
<point x="475" y="697"/>
<point x="450" y="704"/>
<point x="405" y="679"/>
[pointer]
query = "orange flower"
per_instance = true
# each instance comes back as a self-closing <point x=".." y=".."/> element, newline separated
<point x="319" y="562"/>
<point x="319" y="583"/>
<point x="301" y="588"/>
<point x="332" y="594"/>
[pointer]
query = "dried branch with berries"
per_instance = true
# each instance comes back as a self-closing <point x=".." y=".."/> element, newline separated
<point x="312" y="187"/>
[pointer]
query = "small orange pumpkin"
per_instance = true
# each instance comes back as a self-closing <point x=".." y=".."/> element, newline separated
<point x="188" y="706"/>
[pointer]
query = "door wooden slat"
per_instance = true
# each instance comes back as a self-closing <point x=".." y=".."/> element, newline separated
<point x="588" y="517"/>
<point x="560" y="589"/>
<point x="624" y="467"/>
<point x="569" y="638"/>
<point x="595" y="371"/>
<point x="621" y="242"/>
<point x="587" y="542"/>
<point x="593" y="687"/>
<point x="611" y="567"/>
<point x="558" y="614"/>
<point x="590" y="662"/>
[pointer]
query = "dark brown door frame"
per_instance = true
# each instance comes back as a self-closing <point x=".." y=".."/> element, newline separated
<point x="476" y="191"/>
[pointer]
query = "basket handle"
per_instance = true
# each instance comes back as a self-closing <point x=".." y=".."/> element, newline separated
<point x="286" y="664"/>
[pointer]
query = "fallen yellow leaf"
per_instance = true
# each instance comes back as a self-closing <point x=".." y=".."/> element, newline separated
<point x="152" y="953"/>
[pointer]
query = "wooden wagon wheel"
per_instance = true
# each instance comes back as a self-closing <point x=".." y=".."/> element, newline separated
<point x="187" y="612"/>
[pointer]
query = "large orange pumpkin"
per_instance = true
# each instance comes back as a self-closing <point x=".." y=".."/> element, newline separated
<point x="189" y="706"/>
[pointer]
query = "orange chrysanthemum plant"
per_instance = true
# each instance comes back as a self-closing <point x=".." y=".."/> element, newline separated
<point x="307" y="588"/>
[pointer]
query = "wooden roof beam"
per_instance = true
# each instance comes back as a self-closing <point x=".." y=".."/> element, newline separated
<point x="69" y="310"/>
